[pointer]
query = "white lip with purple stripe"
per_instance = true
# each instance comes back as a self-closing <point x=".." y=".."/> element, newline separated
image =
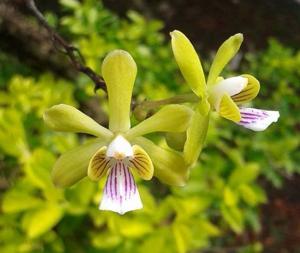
<point x="257" y="120"/>
<point x="120" y="193"/>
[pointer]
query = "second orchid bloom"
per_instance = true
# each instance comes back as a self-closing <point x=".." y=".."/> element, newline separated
<point x="225" y="96"/>
<point x="222" y="95"/>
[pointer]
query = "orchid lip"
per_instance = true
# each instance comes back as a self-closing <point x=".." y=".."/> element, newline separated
<point x="120" y="193"/>
<point x="257" y="120"/>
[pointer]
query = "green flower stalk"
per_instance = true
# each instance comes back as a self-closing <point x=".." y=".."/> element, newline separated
<point x="119" y="151"/>
<point x="225" y="96"/>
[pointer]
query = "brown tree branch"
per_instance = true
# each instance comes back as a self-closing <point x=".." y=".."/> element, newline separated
<point x="61" y="45"/>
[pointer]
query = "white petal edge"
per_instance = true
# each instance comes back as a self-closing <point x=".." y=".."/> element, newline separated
<point x="231" y="86"/>
<point x="120" y="193"/>
<point x="256" y="119"/>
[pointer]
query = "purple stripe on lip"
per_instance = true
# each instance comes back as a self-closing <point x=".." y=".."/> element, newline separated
<point x="130" y="182"/>
<point x="125" y="178"/>
<point x="115" y="179"/>
<point x="248" y="117"/>
<point x="244" y="122"/>
<point x="250" y="114"/>
<point x="110" y="182"/>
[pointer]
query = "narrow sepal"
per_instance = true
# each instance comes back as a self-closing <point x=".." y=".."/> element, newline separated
<point x="73" y="165"/>
<point x="67" y="118"/>
<point x="188" y="62"/>
<point x="225" y="53"/>
<point x="171" y="118"/>
<point x="142" y="163"/>
<point x="249" y="92"/>
<point x="228" y="109"/>
<point x="119" y="72"/>
<point x="195" y="137"/>
<point x="120" y="193"/>
<point x="169" y="165"/>
<point x="98" y="165"/>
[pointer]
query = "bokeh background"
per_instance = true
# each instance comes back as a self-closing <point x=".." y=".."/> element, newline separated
<point x="243" y="196"/>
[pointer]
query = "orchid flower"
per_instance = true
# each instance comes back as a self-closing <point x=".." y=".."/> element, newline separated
<point x="119" y="151"/>
<point x="225" y="96"/>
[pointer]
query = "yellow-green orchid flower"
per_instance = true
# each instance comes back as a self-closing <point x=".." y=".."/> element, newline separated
<point x="221" y="95"/>
<point x="119" y="150"/>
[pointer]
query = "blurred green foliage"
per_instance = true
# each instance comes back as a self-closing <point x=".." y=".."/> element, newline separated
<point x="223" y="194"/>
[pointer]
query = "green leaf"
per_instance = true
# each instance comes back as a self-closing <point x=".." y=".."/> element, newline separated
<point x="230" y="197"/>
<point x="73" y="165"/>
<point x="14" y="202"/>
<point x="130" y="228"/>
<point x="196" y="135"/>
<point x="119" y="72"/>
<point x="188" y="62"/>
<point x="72" y="4"/>
<point x="66" y="118"/>
<point x="42" y="220"/>
<point x="224" y="54"/>
<point x="171" y="118"/>
<point x="182" y="236"/>
<point x="38" y="168"/>
<point x="105" y="240"/>
<point x="169" y="165"/>
<point x="234" y="217"/>
<point x="245" y="174"/>
<point x="248" y="195"/>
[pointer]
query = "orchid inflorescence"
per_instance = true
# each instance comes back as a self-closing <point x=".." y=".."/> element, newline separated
<point x="120" y="151"/>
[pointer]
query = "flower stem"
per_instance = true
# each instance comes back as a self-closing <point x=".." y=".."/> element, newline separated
<point x="179" y="99"/>
<point x="141" y="109"/>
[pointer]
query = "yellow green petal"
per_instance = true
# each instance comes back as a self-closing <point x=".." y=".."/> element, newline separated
<point x="228" y="109"/>
<point x="73" y="165"/>
<point x="142" y="163"/>
<point x="249" y="92"/>
<point x="224" y="54"/>
<point x="119" y="72"/>
<point x="188" y="62"/>
<point x="169" y="165"/>
<point x="67" y="118"/>
<point x="98" y="165"/>
<point x="171" y="118"/>
<point x="196" y="135"/>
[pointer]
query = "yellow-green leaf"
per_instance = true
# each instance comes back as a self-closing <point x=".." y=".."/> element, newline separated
<point x="42" y="219"/>
<point x="19" y="201"/>
<point x="230" y="197"/>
